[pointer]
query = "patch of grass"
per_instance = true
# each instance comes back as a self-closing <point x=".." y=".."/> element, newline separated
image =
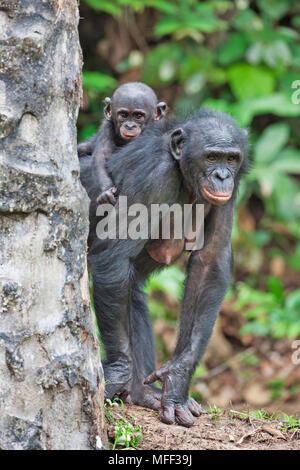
<point x="125" y="434"/>
<point x="283" y="420"/>
<point x="262" y="414"/>
<point x="214" y="413"/>
<point x="290" y="423"/>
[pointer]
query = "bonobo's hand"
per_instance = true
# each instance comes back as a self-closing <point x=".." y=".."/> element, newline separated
<point x="108" y="197"/>
<point x="175" y="404"/>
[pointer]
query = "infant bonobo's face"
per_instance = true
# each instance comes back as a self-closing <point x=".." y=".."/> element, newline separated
<point x="131" y="108"/>
<point x="131" y="113"/>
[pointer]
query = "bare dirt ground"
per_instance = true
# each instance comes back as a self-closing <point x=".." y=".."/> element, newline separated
<point x="212" y="431"/>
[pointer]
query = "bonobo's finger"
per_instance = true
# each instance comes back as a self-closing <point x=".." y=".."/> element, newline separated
<point x="183" y="416"/>
<point x="194" y="407"/>
<point x="107" y="197"/>
<point x="104" y="198"/>
<point x="153" y="377"/>
<point x="167" y="414"/>
<point x="111" y="199"/>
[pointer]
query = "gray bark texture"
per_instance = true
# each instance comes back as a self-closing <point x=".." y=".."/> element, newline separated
<point x="51" y="381"/>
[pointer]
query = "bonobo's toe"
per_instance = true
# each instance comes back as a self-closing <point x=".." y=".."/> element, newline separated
<point x="183" y="416"/>
<point x="167" y="414"/>
<point x="180" y="413"/>
<point x="194" y="407"/>
<point x="146" y="396"/>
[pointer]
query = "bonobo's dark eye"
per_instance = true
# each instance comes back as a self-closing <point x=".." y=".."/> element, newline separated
<point x="123" y="114"/>
<point x="231" y="158"/>
<point x="139" y="116"/>
<point x="211" y="157"/>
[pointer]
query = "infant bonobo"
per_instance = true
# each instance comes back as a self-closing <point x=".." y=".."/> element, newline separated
<point x="132" y="106"/>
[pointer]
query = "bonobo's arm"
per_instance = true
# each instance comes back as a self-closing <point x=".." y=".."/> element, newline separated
<point x="209" y="273"/>
<point x="102" y="151"/>
<point x="86" y="148"/>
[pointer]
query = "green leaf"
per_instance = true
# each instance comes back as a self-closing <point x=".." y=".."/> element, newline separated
<point x="246" y="20"/>
<point x="293" y="301"/>
<point x="257" y="328"/>
<point x="293" y="330"/>
<point x="294" y="261"/>
<point x="167" y="26"/>
<point x="277" y="53"/>
<point x="233" y="49"/>
<point x="194" y="83"/>
<point x="247" y="81"/>
<point x="166" y="7"/>
<point x="98" y="81"/>
<point x="260" y="237"/>
<point x="102" y="5"/>
<point x="255" y="53"/>
<point x="170" y="280"/>
<point x="87" y="132"/>
<point x="271" y="142"/>
<point x="288" y="161"/>
<point x="275" y="286"/>
<point x="278" y="103"/>
<point x="274" y="8"/>
<point x="296" y="21"/>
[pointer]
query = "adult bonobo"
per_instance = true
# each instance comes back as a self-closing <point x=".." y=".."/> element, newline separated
<point x="200" y="160"/>
<point x="132" y="107"/>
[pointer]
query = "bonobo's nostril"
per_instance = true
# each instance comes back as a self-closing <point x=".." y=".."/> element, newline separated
<point x="130" y="125"/>
<point x="221" y="173"/>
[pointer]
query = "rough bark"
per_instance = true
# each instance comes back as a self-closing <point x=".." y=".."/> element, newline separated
<point x="51" y="380"/>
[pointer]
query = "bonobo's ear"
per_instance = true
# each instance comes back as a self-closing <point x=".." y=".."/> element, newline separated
<point x="107" y="109"/>
<point x="161" y="110"/>
<point x="176" y="143"/>
<point x="244" y="133"/>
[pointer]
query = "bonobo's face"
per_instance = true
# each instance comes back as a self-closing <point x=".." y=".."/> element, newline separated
<point x="130" y="121"/>
<point x="210" y="158"/>
<point x="131" y="108"/>
<point x="218" y="167"/>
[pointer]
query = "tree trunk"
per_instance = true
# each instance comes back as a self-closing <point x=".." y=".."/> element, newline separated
<point x="51" y="381"/>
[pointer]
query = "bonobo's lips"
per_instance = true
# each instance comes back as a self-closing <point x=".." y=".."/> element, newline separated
<point x="129" y="136"/>
<point x="217" y="197"/>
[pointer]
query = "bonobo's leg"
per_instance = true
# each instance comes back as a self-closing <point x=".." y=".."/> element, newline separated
<point x="208" y="276"/>
<point x="143" y="352"/>
<point x="112" y="271"/>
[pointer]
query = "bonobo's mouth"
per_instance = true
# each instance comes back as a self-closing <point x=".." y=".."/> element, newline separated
<point x="129" y="136"/>
<point x="220" y="198"/>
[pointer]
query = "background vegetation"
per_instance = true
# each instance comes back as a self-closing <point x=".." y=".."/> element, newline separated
<point x="242" y="57"/>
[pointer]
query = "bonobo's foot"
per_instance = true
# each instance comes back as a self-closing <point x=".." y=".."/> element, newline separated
<point x="175" y="406"/>
<point x="117" y="380"/>
<point x="108" y="197"/>
<point x="148" y="396"/>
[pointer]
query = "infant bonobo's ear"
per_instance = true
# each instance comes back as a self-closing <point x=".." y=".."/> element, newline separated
<point x="176" y="143"/>
<point x="161" y="110"/>
<point x="107" y="109"/>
